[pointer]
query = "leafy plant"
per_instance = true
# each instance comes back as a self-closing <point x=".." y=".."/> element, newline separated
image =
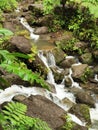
<point x="14" y="118"/>
<point x="5" y="35"/>
<point x="68" y="124"/>
<point x="12" y="65"/>
<point x="8" y="5"/>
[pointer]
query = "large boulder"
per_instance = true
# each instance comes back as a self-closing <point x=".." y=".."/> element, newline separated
<point x="85" y="98"/>
<point x="21" y="44"/>
<point x="82" y="112"/>
<point x="67" y="63"/>
<point x="39" y="66"/>
<point x="58" y="76"/>
<point x="39" y="106"/>
<point x="86" y="58"/>
<point x="92" y="87"/>
<point x="81" y="72"/>
<point x="59" y="55"/>
<point x="41" y="30"/>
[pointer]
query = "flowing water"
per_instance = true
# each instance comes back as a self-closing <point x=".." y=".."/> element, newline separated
<point x="61" y="90"/>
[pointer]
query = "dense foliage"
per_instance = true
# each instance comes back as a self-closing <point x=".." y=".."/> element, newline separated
<point x="8" y="5"/>
<point x="13" y="117"/>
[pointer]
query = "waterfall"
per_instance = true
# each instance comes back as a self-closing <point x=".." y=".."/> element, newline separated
<point x="30" y="29"/>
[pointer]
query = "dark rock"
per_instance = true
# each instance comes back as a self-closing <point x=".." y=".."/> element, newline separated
<point x="82" y="112"/>
<point x="85" y="98"/>
<point x="11" y="79"/>
<point x="39" y="66"/>
<point x="67" y="63"/>
<point x="67" y="102"/>
<point x="43" y="108"/>
<point x="58" y="76"/>
<point x="68" y="82"/>
<point x="86" y="58"/>
<point x="19" y="98"/>
<point x="79" y="72"/>
<point x="21" y="43"/>
<point x="59" y="55"/>
<point x="41" y="30"/>
<point x="93" y="87"/>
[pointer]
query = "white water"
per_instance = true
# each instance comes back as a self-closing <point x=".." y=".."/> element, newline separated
<point x="61" y="92"/>
<point x="30" y="29"/>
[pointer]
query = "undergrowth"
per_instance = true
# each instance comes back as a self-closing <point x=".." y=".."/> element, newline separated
<point x="13" y="117"/>
<point x="10" y="63"/>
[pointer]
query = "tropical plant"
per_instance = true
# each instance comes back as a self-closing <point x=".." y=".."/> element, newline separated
<point x="13" y="117"/>
<point x="8" y="5"/>
<point x="13" y="65"/>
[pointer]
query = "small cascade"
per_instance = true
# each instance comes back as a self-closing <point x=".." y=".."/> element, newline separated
<point x="51" y="59"/>
<point x="96" y="77"/>
<point x="30" y="29"/>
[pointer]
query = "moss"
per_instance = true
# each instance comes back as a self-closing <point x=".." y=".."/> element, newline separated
<point x="24" y="33"/>
<point x="87" y="74"/>
<point x="68" y="123"/>
<point x="84" y="109"/>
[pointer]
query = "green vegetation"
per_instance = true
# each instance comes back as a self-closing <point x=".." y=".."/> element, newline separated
<point x="8" y="5"/>
<point x="9" y="62"/>
<point x="13" y="117"/>
<point x="68" y="124"/>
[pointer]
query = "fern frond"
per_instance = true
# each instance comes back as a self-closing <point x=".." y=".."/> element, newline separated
<point x="14" y="115"/>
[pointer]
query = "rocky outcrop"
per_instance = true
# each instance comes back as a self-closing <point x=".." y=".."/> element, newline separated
<point x="43" y="108"/>
<point x="82" y="112"/>
<point x="86" y="58"/>
<point x="85" y="98"/>
<point x="59" y="55"/>
<point x="67" y="63"/>
<point x="81" y="72"/>
<point x="58" y="76"/>
<point x="21" y="44"/>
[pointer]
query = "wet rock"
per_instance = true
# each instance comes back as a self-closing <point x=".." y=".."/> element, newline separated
<point x="68" y="82"/>
<point x="39" y="66"/>
<point x="67" y="102"/>
<point x="43" y="108"/>
<point x="82" y="112"/>
<point x="92" y="87"/>
<point x="67" y="63"/>
<point x="75" y="90"/>
<point x="19" y="98"/>
<point x="59" y="55"/>
<point x="78" y="127"/>
<point x="72" y="126"/>
<point x="81" y="72"/>
<point x="21" y="43"/>
<point x="86" y="58"/>
<point x="41" y="30"/>
<point x="85" y="98"/>
<point x="58" y="76"/>
<point x="52" y="88"/>
<point x="10" y="79"/>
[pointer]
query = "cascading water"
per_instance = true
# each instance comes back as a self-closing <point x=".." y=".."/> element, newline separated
<point x="61" y="90"/>
<point x="27" y="26"/>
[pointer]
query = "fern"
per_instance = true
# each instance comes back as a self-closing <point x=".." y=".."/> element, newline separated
<point x="12" y="65"/>
<point x="14" y="116"/>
